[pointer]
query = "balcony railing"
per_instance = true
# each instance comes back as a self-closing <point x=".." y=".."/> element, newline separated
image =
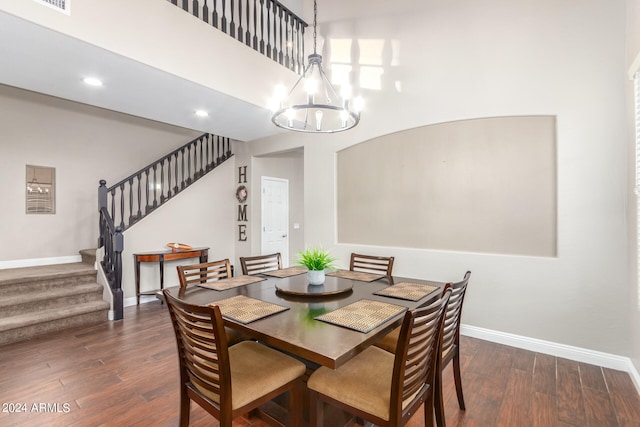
<point x="264" y="25"/>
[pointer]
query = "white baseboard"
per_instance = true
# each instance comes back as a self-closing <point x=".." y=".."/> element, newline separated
<point x="143" y="299"/>
<point x="593" y="357"/>
<point x="19" y="263"/>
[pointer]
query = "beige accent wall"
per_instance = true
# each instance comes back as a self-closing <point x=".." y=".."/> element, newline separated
<point x="485" y="185"/>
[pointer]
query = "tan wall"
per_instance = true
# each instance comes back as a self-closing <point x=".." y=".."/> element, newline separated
<point x="203" y="215"/>
<point x="288" y="166"/>
<point x="85" y="145"/>
<point x="633" y="64"/>
<point x="486" y="185"/>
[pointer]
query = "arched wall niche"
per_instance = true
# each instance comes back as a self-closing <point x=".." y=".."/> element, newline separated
<point x="481" y="185"/>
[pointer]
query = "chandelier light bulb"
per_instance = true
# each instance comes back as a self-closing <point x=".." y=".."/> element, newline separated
<point x="318" y="120"/>
<point x="280" y="92"/>
<point x="344" y="116"/>
<point x="345" y="91"/>
<point x="290" y="115"/>
<point x="358" y="104"/>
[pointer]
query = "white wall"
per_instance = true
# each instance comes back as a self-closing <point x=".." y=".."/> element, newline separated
<point x="461" y="59"/>
<point x="633" y="64"/>
<point x="288" y="166"/>
<point x="85" y="145"/>
<point x="201" y="216"/>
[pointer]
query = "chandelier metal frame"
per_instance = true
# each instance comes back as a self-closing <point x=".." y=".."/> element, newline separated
<point x="313" y="105"/>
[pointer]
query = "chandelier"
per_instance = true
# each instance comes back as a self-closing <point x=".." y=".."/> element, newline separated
<point x="313" y="105"/>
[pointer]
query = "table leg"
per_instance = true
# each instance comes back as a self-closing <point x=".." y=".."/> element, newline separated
<point x="161" y="272"/>
<point x="137" y="280"/>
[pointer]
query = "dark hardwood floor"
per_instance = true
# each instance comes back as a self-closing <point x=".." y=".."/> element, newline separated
<point x="125" y="373"/>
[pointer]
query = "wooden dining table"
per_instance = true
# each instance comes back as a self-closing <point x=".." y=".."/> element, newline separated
<point x="296" y="330"/>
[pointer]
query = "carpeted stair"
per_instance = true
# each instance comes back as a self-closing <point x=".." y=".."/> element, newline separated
<point x="41" y="300"/>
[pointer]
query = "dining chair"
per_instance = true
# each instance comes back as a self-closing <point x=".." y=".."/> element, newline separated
<point x="371" y="264"/>
<point x="450" y="346"/>
<point x="259" y="264"/>
<point x="204" y="273"/>
<point x="207" y="272"/>
<point x="381" y="387"/>
<point x="228" y="381"/>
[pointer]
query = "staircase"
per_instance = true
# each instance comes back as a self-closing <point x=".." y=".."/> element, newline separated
<point x="40" y="300"/>
<point x="129" y="201"/>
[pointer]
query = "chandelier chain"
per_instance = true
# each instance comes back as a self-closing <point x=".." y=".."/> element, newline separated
<point x="315" y="15"/>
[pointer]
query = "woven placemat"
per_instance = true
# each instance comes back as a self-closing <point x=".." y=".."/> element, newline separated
<point x="356" y="275"/>
<point x="231" y="282"/>
<point x="286" y="272"/>
<point x="246" y="310"/>
<point x="363" y="315"/>
<point x="407" y="291"/>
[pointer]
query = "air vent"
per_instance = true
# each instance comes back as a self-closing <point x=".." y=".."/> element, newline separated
<point x="63" y="6"/>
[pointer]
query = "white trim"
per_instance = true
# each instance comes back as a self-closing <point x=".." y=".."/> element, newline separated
<point x="128" y="302"/>
<point x="593" y="357"/>
<point x="19" y="263"/>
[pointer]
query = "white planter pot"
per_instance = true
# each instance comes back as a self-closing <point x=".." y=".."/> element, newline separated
<point x="315" y="277"/>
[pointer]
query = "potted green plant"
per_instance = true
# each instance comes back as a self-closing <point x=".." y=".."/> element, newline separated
<point x="317" y="260"/>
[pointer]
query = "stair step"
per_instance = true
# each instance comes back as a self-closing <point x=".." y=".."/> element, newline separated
<point x="88" y="256"/>
<point x="13" y="305"/>
<point x="30" y="279"/>
<point x="25" y="326"/>
<point x="45" y="299"/>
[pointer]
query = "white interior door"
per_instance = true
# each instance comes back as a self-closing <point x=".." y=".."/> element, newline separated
<point x="275" y="217"/>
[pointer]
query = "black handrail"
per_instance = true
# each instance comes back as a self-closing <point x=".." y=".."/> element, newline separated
<point x="112" y="240"/>
<point x="264" y="22"/>
<point x="127" y="202"/>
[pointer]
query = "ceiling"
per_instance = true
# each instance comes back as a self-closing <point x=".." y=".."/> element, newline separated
<point x="41" y="60"/>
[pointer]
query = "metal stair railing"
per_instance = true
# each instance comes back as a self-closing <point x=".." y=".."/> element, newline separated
<point x="266" y="26"/>
<point x="130" y="200"/>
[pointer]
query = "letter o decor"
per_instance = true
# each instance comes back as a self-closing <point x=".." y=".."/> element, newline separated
<point x="241" y="194"/>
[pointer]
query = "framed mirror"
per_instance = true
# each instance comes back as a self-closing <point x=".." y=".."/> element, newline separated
<point x="40" y="190"/>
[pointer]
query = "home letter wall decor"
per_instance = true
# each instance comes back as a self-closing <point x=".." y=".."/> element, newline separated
<point x="241" y="196"/>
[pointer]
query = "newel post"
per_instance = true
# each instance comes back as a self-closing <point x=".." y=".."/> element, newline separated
<point x="118" y="297"/>
<point x="102" y="203"/>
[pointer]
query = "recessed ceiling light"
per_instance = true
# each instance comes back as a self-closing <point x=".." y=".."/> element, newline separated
<point x="92" y="81"/>
<point x="201" y="113"/>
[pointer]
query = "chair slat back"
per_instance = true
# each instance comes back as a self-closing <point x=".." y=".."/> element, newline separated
<point x="261" y="263"/>
<point x="202" y="347"/>
<point x="371" y="264"/>
<point x="415" y="360"/>
<point x="451" y="324"/>
<point x="203" y="273"/>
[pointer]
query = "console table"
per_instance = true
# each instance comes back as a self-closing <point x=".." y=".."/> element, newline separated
<point x="162" y="256"/>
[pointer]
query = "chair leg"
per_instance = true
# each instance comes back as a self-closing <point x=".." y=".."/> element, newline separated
<point x="438" y="400"/>
<point x="295" y="404"/>
<point x="429" y="405"/>
<point x="458" y="380"/>
<point x="185" y="408"/>
<point x="316" y="410"/>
